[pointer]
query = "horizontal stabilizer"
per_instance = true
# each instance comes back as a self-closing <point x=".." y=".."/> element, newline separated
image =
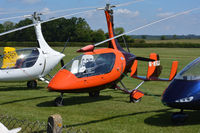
<point x="144" y="59"/>
<point x="154" y="71"/>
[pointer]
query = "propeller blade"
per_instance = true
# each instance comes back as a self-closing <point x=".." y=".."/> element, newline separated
<point x="62" y="63"/>
<point x="65" y="45"/>
<point x="126" y="44"/>
<point x="147" y="25"/>
<point x="144" y="59"/>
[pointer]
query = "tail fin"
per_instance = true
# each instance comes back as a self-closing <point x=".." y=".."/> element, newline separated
<point x="134" y="69"/>
<point x="154" y="68"/>
<point x="173" y="70"/>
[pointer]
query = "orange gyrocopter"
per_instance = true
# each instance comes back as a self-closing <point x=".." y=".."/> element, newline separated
<point x="98" y="69"/>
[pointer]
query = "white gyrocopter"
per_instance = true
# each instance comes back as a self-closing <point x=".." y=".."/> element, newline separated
<point x="29" y="64"/>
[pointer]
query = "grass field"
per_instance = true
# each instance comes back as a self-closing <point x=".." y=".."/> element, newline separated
<point x="174" y="41"/>
<point x="111" y="112"/>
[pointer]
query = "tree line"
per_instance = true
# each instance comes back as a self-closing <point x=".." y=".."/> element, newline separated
<point x="76" y="29"/>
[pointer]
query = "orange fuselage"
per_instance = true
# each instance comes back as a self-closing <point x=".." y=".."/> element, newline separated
<point x="66" y="81"/>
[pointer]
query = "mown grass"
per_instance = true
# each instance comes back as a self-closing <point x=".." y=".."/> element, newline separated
<point x="197" y="41"/>
<point x="111" y="112"/>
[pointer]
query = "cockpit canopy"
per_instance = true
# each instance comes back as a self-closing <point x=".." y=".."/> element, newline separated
<point x="22" y="58"/>
<point x="191" y="71"/>
<point x="91" y="65"/>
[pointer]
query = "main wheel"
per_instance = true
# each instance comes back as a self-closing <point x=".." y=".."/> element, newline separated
<point x="179" y="117"/>
<point x="94" y="94"/>
<point x="32" y="84"/>
<point x="133" y="100"/>
<point x="59" y="101"/>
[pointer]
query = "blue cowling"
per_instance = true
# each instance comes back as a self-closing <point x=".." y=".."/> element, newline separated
<point x="183" y="94"/>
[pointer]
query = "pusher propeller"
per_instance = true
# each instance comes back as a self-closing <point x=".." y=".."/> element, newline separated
<point x="62" y="61"/>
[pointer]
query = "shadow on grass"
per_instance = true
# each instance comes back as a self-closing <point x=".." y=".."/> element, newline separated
<point x="151" y="94"/>
<point x="115" y="117"/>
<point x="75" y="100"/>
<point x="164" y="119"/>
<point x="17" y="88"/>
<point x="21" y="100"/>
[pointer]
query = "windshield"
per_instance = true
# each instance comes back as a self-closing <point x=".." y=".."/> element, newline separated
<point x="22" y="58"/>
<point x="90" y="65"/>
<point x="191" y="71"/>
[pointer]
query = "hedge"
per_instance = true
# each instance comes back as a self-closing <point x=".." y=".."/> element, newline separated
<point x="81" y="44"/>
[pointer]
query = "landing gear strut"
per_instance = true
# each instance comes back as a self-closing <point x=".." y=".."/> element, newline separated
<point x="32" y="84"/>
<point x="179" y="117"/>
<point x="59" y="100"/>
<point x="94" y="94"/>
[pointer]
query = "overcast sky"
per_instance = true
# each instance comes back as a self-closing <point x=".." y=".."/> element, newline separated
<point x="129" y="17"/>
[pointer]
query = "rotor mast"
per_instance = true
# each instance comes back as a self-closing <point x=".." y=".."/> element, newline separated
<point x="38" y="31"/>
<point x="110" y="23"/>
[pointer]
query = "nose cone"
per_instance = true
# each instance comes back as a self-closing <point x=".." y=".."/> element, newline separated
<point x="182" y="94"/>
<point x="61" y="81"/>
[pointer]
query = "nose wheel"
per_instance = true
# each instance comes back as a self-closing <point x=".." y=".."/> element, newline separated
<point x="179" y="117"/>
<point x="32" y="84"/>
<point x="59" y="100"/>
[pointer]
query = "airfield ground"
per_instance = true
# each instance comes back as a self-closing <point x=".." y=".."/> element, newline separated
<point x="111" y="112"/>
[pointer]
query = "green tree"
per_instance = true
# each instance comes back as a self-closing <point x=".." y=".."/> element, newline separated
<point x="119" y="30"/>
<point x="174" y="37"/>
<point x="8" y="25"/>
<point x="26" y="34"/>
<point x="162" y="37"/>
<point x="98" y="35"/>
<point x="1" y="28"/>
<point x="144" y="36"/>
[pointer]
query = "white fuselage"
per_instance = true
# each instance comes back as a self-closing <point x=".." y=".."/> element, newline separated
<point x="47" y="59"/>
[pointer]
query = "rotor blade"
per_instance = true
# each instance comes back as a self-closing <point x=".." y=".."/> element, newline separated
<point x="144" y="59"/>
<point x="147" y="25"/>
<point x="24" y="27"/>
<point x="17" y="11"/>
<point x="58" y="11"/>
<point x="68" y="15"/>
<point x="24" y="16"/>
<point x="128" y="3"/>
<point x="17" y="29"/>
